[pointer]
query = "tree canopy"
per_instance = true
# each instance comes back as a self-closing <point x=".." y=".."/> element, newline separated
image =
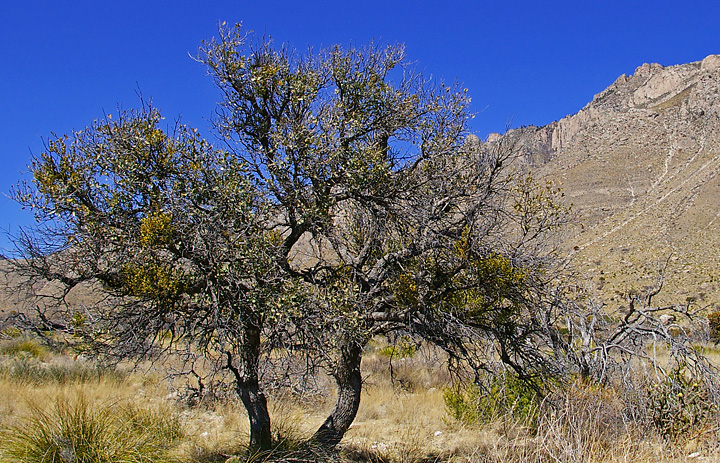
<point x="342" y="199"/>
<point x="402" y="224"/>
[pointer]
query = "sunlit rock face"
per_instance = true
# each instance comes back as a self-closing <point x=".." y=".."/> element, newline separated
<point x="640" y="164"/>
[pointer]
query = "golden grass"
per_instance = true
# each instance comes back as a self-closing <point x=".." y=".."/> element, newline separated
<point x="401" y="419"/>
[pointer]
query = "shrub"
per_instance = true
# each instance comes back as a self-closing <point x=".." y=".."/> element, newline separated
<point x="498" y="395"/>
<point x="77" y="431"/>
<point x="680" y="405"/>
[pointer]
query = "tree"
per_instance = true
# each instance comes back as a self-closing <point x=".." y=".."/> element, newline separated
<point x="175" y="233"/>
<point x="347" y="201"/>
<point x="402" y="225"/>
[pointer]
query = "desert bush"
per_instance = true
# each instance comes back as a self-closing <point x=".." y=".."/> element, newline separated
<point x="494" y="396"/>
<point x="75" y="430"/>
<point x="680" y="405"/>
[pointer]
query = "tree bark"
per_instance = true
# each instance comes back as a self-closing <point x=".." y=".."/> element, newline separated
<point x="248" y="388"/>
<point x="256" y="405"/>
<point x="349" y="384"/>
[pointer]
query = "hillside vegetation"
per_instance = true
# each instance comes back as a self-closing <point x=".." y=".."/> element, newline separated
<point x="56" y="408"/>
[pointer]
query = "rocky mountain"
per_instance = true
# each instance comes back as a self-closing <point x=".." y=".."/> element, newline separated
<point x="640" y="164"/>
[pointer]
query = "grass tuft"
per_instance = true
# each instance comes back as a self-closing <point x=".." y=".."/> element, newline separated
<point x="22" y="347"/>
<point x="75" y="430"/>
<point x="30" y="371"/>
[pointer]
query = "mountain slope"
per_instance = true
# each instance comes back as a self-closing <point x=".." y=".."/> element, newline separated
<point x="640" y="164"/>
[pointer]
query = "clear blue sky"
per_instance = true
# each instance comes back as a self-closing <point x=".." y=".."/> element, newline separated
<point x="64" y="63"/>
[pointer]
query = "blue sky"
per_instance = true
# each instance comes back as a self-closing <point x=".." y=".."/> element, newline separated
<point x="62" y="64"/>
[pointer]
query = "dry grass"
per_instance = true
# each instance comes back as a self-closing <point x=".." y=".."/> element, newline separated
<point x="402" y="419"/>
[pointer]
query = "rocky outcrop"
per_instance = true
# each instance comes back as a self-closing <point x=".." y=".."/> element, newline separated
<point x="652" y="89"/>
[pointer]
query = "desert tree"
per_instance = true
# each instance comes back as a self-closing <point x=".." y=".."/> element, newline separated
<point x="397" y="220"/>
<point x="175" y="240"/>
<point x="344" y="199"/>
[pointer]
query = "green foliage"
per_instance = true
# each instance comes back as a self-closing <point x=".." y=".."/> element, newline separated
<point x="154" y="281"/>
<point x="680" y="405"/>
<point x="155" y="229"/>
<point x="405" y="289"/>
<point x="402" y="348"/>
<point x="75" y="430"/>
<point x="500" y="395"/>
<point x="78" y="320"/>
<point x="12" y="332"/>
<point x="538" y="207"/>
<point x="496" y="281"/>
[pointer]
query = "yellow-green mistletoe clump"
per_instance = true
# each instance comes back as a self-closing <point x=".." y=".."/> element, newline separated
<point x="155" y="229"/>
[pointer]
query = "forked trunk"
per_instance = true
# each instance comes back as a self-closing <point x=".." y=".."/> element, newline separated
<point x="349" y="383"/>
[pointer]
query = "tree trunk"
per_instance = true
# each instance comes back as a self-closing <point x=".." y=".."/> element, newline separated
<point x="248" y="388"/>
<point x="256" y="405"/>
<point x="349" y="383"/>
